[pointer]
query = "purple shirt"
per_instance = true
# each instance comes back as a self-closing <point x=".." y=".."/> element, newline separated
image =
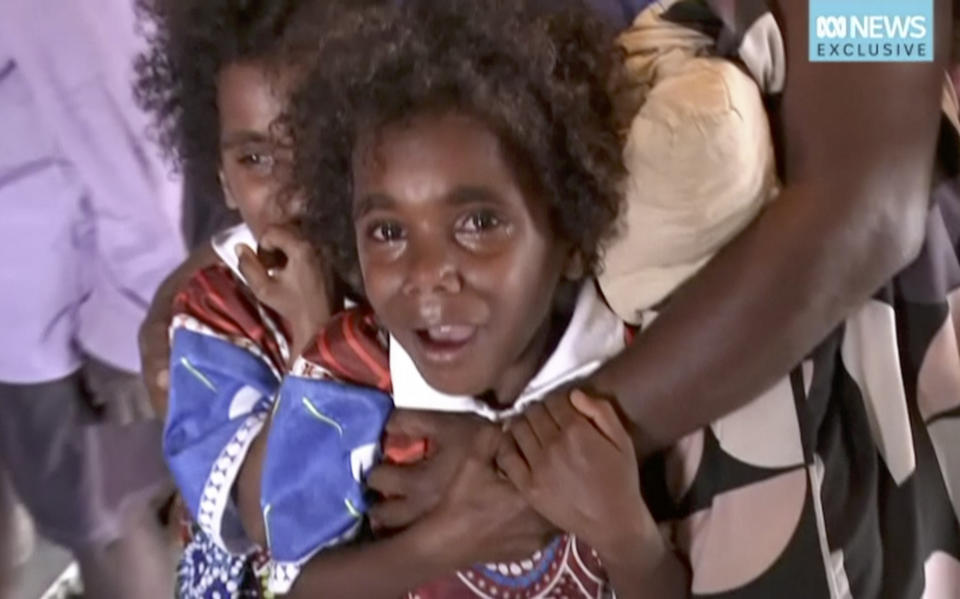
<point x="87" y="208"/>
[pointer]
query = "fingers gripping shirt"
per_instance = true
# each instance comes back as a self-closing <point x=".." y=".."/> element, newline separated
<point x="326" y="429"/>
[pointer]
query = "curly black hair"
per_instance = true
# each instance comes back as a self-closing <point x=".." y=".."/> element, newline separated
<point x="190" y="42"/>
<point x="536" y="75"/>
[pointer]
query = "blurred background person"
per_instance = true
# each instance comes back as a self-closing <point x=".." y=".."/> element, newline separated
<point x="87" y="230"/>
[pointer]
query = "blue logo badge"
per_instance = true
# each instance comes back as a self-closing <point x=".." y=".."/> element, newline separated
<point x="871" y="30"/>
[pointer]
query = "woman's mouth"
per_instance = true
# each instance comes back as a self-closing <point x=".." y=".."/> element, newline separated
<point x="443" y="343"/>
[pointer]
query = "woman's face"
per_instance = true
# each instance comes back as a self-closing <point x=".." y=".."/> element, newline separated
<point x="459" y="261"/>
<point x="252" y="159"/>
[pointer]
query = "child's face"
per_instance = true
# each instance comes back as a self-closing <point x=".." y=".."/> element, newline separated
<point x="459" y="260"/>
<point x="251" y="158"/>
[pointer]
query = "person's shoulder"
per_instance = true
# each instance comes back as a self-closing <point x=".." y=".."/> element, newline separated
<point x="217" y="273"/>
<point x="211" y="290"/>
<point x="352" y="348"/>
<point x="215" y="302"/>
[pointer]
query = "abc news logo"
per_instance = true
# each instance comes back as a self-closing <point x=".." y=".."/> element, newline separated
<point x="874" y="27"/>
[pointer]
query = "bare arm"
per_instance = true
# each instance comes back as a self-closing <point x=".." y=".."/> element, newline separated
<point x="384" y="569"/>
<point x="248" y="488"/>
<point x="154" y="334"/>
<point x="576" y="465"/>
<point x="642" y="566"/>
<point x="859" y="144"/>
<point x="480" y="517"/>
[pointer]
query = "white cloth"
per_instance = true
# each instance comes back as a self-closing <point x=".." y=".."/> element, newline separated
<point x="594" y="335"/>
<point x="226" y="242"/>
<point x="699" y="157"/>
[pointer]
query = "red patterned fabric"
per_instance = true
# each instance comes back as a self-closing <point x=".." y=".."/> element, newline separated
<point x="352" y="348"/>
<point x="215" y="299"/>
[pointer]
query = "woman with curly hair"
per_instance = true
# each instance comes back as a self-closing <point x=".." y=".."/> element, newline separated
<point x="460" y="160"/>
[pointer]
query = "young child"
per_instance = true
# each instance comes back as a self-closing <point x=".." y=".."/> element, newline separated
<point x="216" y="81"/>
<point x="462" y="158"/>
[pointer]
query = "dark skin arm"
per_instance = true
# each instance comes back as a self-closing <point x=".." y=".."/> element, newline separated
<point x="480" y="517"/>
<point x="574" y="463"/>
<point x="247" y="488"/>
<point x="154" y="334"/>
<point x="284" y="294"/>
<point x="859" y="142"/>
<point x="384" y="569"/>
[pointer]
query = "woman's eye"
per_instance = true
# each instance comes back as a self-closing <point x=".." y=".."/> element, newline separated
<point x="481" y="221"/>
<point x="256" y="160"/>
<point x="386" y="232"/>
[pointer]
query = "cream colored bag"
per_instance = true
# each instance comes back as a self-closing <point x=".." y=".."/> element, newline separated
<point x="700" y="163"/>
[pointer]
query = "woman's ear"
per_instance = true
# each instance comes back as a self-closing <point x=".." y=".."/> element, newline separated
<point x="227" y="194"/>
<point x="576" y="267"/>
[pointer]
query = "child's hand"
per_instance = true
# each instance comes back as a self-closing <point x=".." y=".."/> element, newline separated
<point x="574" y="462"/>
<point x="482" y="517"/>
<point x="298" y="290"/>
<point x="438" y="444"/>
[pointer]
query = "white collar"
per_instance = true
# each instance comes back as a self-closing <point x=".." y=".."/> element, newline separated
<point x="225" y="245"/>
<point x="594" y="335"/>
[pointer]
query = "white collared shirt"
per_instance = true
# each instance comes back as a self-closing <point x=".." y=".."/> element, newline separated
<point x="226" y="242"/>
<point x="593" y="336"/>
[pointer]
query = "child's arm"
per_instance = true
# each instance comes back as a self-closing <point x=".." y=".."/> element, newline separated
<point x="412" y="481"/>
<point x="387" y="568"/>
<point x="223" y="376"/>
<point x="480" y="518"/>
<point x="300" y="289"/>
<point x="574" y="462"/>
<point x="641" y="566"/>
<point x="154" y="333"/>
<point x="248" y="488"/>
<point x="225" y="369"/>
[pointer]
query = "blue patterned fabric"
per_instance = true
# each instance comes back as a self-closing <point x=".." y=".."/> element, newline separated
<point x="219" y="397"/>
<point x="327" y="433"/>
<point x="208" y="572"/>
